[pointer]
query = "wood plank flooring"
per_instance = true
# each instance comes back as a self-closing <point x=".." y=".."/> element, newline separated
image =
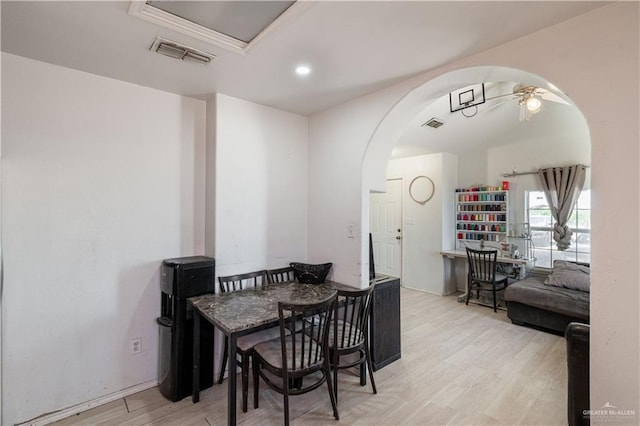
<point x="460" y="365"/>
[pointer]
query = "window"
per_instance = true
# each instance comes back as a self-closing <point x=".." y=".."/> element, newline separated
<point x="541" y="227"/>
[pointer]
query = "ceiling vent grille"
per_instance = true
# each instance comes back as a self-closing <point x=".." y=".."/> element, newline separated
<point x="177" y="51"/>
<point x="250" y="15"/>
<point x="433" y="123"/>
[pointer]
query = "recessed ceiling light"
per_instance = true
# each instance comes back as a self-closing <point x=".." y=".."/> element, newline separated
<point x="303" y="70"/>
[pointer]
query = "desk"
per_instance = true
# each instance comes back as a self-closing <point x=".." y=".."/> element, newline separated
<point x="457" y="254"/>
<point x="243" y="312"/>
<point x="501" y="259"/>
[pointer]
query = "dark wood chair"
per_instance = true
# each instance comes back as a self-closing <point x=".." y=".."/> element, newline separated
<point x="280" y="275"/>
<point x="483" y="274"/>
<point x="295" y="356"/>
<point x="349" y="334"/>
<point x="246" y="343"/>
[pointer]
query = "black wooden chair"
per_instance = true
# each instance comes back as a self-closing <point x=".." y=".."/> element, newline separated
<point x="280" y="275"/>
<point x="295" y="356"/>
<point x="483" y="274"/>
<point x="246" y="343"/>
<point x="349" y="334"/>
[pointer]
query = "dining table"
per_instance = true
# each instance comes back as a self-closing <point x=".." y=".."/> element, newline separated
<point x="243" y="312"/>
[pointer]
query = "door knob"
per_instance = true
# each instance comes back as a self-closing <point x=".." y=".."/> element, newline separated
<point x="398" y="237"/>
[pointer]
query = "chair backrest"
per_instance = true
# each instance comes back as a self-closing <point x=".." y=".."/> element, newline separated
<point x="482" y="264"/>
<point x="242" y="281"/>
<point x="351" y="325"/>
<point x="309" y="344"/>
<point x="280" y="275"/>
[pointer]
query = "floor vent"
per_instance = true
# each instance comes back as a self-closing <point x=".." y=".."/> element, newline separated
<point x="177" y="51"/>
<point x="434" y="123"/>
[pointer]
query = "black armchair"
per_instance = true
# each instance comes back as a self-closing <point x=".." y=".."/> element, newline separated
<point x="577" y="336"/>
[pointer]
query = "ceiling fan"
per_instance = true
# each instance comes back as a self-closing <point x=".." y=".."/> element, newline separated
<point x="530" y="99"/>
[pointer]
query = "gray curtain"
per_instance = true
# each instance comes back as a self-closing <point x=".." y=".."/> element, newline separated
<point x="562" y="186"/>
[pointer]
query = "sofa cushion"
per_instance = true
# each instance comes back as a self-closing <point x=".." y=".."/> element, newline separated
<point x="534" y="292"/>
<point x="569" y="275"/>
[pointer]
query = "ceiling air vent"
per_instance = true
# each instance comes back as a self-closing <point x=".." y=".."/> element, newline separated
<point x="434" y="123"/>
<point x="177" y="51"/>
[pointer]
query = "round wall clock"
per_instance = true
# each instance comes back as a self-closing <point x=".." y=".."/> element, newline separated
<point x="421" y="189"/>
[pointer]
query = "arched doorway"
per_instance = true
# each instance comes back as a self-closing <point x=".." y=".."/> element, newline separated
<point x="481" y="148"/>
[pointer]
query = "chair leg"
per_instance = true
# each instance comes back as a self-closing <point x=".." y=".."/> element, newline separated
<point x="335" y="358"/>
<point x="245" y="381"/>
<point x="363" y="373"/>
<point x="224" y="359"/>
<point x="331" y="386"/>
<point x="469" y="291"/>
<point x="285" y="396"/>
<point x="256" y="382"/>
<point x="495" y="304"/>
<point x="370" y="367"/>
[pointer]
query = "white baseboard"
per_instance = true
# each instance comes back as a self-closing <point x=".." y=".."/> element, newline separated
<point x="48" y="418"/>
<point x="426" y="291"/>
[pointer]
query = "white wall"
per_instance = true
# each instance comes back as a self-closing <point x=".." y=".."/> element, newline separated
<point x="530" y="155"/>
<point x="337" y="141"/>
<point x="523" y="156"/>
<point x="1" y="248"/>
<point x="425" y="232"/>
<point x="261" y="178"/>
<point x="101" y="181"/>
<point x="256" y="188"/>
<point x="472" y="168"/>
<point x="594" y="58"/>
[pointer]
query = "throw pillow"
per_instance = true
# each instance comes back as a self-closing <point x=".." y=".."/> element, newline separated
<point x="569" y="275"/>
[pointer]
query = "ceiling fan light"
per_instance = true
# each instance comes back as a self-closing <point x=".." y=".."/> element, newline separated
<point x="533" y="104"/>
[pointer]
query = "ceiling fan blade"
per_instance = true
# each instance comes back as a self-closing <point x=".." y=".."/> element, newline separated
<point x="523" y="113"/>
<point x="552" y="97"/>
<point x="508" y="95"/>
<point x="496" y="105"/>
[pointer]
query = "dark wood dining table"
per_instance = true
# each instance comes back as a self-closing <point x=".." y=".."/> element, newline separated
<point x="243" y="312"/>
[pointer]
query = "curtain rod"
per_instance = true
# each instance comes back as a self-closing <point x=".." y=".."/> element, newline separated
<point x="533" y="172"/>
<point x="514" y="173"/>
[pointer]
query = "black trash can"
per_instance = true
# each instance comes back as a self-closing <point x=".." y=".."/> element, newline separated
<point x="183" y="278"/>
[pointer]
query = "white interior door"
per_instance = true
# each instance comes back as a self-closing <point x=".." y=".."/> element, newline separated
<point x="385" y="222"/>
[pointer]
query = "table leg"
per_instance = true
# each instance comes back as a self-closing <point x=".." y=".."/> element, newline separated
<point x="463" y="297"/>
<point x="523" y="272"/>
<point x="233" y="366"/>
<point x="195" y="395"/>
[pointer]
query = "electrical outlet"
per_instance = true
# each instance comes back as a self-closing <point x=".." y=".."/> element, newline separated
<point x="136" y="345"/>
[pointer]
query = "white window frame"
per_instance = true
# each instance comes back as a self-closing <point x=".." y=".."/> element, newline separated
<point x="580" y="249"/>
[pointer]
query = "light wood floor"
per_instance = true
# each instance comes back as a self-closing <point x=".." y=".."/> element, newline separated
<point x="460" y="365"/>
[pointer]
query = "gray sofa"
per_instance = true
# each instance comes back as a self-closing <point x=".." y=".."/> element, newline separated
<point x="532" y="302"/>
